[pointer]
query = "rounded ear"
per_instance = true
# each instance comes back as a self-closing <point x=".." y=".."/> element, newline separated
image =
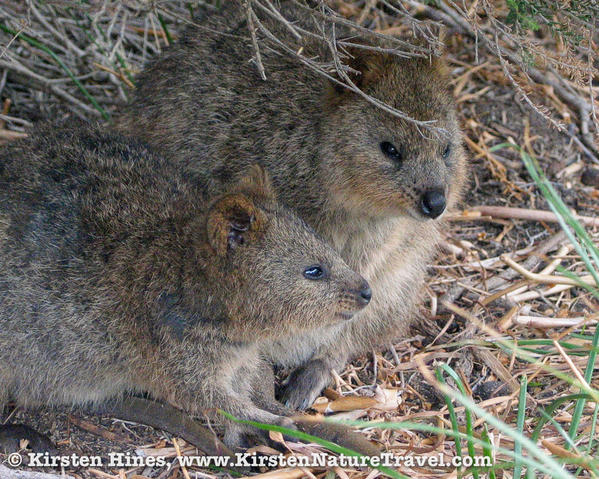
<point x="257" y="184"/>
<point x="368" y="67"/>
<point x="233" y="221"/>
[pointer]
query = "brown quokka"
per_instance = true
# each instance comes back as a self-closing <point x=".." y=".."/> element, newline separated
<point x="373" y="185"/>
<point x="116" y="277"/>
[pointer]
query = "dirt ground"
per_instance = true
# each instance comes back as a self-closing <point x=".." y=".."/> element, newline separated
<point x="388" y="384"/>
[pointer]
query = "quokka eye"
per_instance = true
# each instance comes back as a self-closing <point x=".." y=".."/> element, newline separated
<point x="391" y="151"/>
<point x="315" y="272"/>
<point x="447" y="152"/>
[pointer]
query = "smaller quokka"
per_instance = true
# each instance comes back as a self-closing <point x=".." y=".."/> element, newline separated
<point x="116" y="277"/>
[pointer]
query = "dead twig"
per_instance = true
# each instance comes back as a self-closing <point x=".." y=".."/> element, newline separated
<point x="96" y="430"/>
<point x="547" y="278"/>
<point x="483" y="212"/>
<point x="258" y="57"/>
<point x="542" y="322"/>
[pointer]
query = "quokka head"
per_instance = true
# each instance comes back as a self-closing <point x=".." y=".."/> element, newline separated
<point x="277" y="275"/>
<point x="383" y="165"/>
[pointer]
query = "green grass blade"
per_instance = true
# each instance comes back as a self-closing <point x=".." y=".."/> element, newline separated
<point x="520" y="425"/>
<point x="551" y="408"/>
<point x="533" y="463"/>
<point x="323" y="442"/>
<point x="452" y="415"/>
<point x="588" y="375"/>
<point x="551" y="465"/>
<point x="468" y="414"/>
<point x="558" y="428"/>
<point x="165" y="29"/>
<point x="33" y="42"/>
<point x="92" y="39"/>
<point x="488" y="452"/>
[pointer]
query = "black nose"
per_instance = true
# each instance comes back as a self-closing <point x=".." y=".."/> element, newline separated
<point x="432" y="203"/>
<point x="365" y="295"/>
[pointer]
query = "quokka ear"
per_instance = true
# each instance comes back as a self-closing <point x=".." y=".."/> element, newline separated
<point x="257" y="184"/>
<point x="233" y="221"/>
<point x="368" y="67"/>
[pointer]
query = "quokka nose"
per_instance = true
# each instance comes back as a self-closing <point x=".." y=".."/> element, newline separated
<point x="432" y="203"/>
<point x="365" y="295"/>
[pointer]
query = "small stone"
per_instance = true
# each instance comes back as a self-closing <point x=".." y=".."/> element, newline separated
<point x="590" y="177"/>
<point x="490" y="389"/>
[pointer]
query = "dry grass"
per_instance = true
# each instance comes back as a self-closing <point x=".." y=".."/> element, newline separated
<point x="498" y="309"/>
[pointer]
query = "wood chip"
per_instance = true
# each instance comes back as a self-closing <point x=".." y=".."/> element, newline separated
<point x="348" y="403"/>
<point x="97" y="430"/>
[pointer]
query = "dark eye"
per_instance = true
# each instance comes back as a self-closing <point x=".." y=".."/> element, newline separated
<point x="314" y="272"/>
<point x="446" y="152"/>
<point x="391" y="151"/>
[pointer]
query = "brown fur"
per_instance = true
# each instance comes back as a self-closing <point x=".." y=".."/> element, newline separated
<point x="204" y="104"/>
<point x="116" y="277"/>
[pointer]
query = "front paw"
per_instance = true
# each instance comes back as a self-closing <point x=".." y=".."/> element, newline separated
<point x="304" y="385"/>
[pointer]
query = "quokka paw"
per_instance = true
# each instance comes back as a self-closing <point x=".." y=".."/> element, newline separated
<point x="304" y="385"/>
